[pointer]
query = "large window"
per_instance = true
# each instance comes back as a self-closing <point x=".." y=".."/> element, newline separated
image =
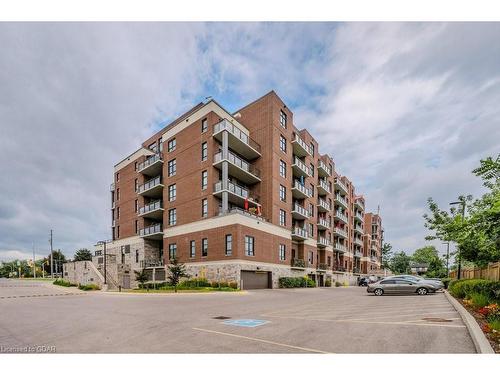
<point x="249" y="246"/>
<point x="192" y="249"/>
<point x="204" y="125"/>
<point x="204" y="151"/>
<point x="283" y="119"/>
<point x="204" y="207"/>
<point x="171" y="145"/>
<point x="282" y="193"/>
<point x="282" y="169"/>
<point x="172" y="192"/>
<point x="282" y="217"/>
<point x="282" y="254"/>
<point x="229" y="244"/>
<point x="204" y="180"/>
<point x="172" y="167"/>
<point x="282" y="143"/>
<point x="204" y="247"/>
<point x="172" y="216"/>
<point x="172" y="251"/>
<point x="311" y="169"/>
<point x="310" y="258"/>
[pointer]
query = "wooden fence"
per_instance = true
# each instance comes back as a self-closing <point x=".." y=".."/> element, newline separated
<point x="492" y="272"/>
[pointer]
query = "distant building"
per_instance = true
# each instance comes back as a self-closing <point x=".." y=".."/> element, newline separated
<point x="419" y="268"/>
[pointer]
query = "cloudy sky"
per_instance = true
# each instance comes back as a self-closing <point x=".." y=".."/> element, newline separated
<point x="406" y="110"/>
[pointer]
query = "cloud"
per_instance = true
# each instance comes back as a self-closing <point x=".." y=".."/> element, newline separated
<point x="406" y="109"/>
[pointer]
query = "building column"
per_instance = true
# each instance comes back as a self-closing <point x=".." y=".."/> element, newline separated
<point x="225" y="153"/>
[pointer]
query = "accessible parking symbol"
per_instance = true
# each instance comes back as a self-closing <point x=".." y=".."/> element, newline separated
<point x="251" y="323"/>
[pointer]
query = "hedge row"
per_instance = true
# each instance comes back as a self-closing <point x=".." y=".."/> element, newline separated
<point x="469" y="287"/>
<point x="62" y="282"/>
<point x="296" y="282"/>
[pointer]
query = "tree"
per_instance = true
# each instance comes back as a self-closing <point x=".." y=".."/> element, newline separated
<point x="177" y="271"/>
<point x="386" y="255"/>
<point x="430" y="256"/>
<point x="141" y="277"/>
<point x="58" y="258"/>
<point x="400" y="263"/>
<point x="83" y="254"/>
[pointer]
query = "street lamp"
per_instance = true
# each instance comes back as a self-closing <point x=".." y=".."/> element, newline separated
<point x="447" y="257"/>
<point x="462" y="203"/>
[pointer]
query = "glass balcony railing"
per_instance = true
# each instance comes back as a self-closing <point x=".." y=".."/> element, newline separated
<point x="237" y="132"/>
<point x="239" y="162"/>
<point x="149" y="184"/>
<point x="151" y="207"/>
<point x="233" y="188"/>
<point x="152" y="229"/>
<point x="151" y="160"/>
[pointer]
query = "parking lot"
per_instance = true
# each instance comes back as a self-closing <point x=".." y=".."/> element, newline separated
<point x="319" y="320"/>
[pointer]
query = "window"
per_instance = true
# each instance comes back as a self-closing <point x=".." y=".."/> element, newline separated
<point x="204" y="207"/>
<point x="172" y="167"/>
<point x="282" y="143"/>
<point x="118" y="194"/>
<point x="204" y="125"/>
<point x="118" y="213"/>
<point x="388" y="282"/>
<point x="312" y="148"/>
<point x="192" y="248"/>
<point x="282" y="169"/>
<point x="329" y="261"/>
<point x="160" y="144"/>
<point x="249" y="246"/>
<point x="312" y="190"/>
<point x="311" y="230"/>
<point x="204" y="151"/>
<point x="136" y="184"/>
<point x="172" y="192"/>
<point x="117" y="176"/>
<point x="137" y="256"/>
<point x="171" y="145"/>
<point x="282" y="193"/>
<point x="310" y="257"/>
<point x="172" y="216"/>
<point x="229" y="244"/>
<point x="311" y="169"/>
<point x="204" y="247"/>
<point x="282" y="254"/>
<point x="135" y="166"/>
<point x="136" y="226"/>
<point x="311" y="209"/>
<point x="153" y="147"/>
<point x="118" y="231"/>
<point x="283" y="119"/>
<point x="136" y="205"/>
<point x="172" y="251"/>
<point x="204" y="180"/>
<point x="282" y="217"/>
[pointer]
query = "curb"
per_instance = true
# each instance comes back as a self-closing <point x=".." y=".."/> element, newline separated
<point x="113" y="292"/>
<point x="480" y="341"/>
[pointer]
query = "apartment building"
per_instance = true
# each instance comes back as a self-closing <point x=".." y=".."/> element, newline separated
<point x="373" y="238"/>
<point x="244" y="196"/>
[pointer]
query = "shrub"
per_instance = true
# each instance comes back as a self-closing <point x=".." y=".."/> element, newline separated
<point x="338" y="283"/>
<point x="446" y="281"/>
<point x="479" y="300"/>
<point x="233" y="285"/>
<point x="223" y="284"/>
<point x="89" y="287"/>
<point x="328" y="282"/>
<point x="465" y="289"/>
<point x="194" y="283"/>
<point x="296" y="282"/>
<point x="62" y="282"/>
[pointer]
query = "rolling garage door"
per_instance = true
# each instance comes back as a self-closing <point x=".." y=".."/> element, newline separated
<point x="256" y="279"/>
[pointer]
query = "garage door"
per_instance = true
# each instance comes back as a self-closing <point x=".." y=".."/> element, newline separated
<point x="255" y="279"/>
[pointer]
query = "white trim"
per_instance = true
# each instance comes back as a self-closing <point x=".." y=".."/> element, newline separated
<point x="133" y="157"/>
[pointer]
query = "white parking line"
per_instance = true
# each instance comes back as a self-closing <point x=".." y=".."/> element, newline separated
<point x="262" y="340"/>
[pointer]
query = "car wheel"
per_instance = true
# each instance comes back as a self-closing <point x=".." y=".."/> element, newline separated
<point x="378" y="292"/>
<point x="422" y="291"/>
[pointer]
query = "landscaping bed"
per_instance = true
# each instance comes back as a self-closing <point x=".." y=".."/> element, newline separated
<point x="188" y="286"/>
<point x="481" y="298"/>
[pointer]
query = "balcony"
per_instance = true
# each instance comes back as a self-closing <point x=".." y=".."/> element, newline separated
<point x="337" y="246"/>
<point x="238" y="141"/>
<point x="151" y="166"/>
<point x="323" y="224"/>
<point x="323" y="188"/>
<point x="322" y="267"/>
<point x="152" y="188"/>
<point x="323" y="242"/>
<point x="339" y="268"/>
<point x="358" y="203"/>
<point x="300" y="148"/>
<point x="236" y="194"/>
<point x="359" y="216"/>
<point x="323" y="206"/>
<point x="299" y="233"/>
<point x="153" y="210"/>
<point x="359" y="229"/>
<point x="340" y="216"/>
<point x="374" y="259"/>
<point x="113" y="223"/>
<point x="298" y="263"/>
<point x="151" y="263"/>
<point x="323" y="169"/>
<point x="358" y="254"/>
<point x="299" y="191"/>
<point x="358" y="241"/>
<point x="356" y="270"/>
<point x="112" y="187"/>
<point x="299" y="168"/>
<point x="113" y="205"/>
<point x="341" y="186"/>
<point x="341" y="201"/>
<point x="299" y="212"/>
<point x="237" y="167"/>
<point x="339" y="232"/>
<point x="153" y="232"/>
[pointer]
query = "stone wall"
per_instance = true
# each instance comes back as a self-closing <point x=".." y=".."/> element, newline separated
<point x="83" y="273"/>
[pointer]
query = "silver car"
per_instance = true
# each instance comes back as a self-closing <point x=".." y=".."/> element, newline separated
<point x="436" y="282"/>
<point x="400" y="285"/>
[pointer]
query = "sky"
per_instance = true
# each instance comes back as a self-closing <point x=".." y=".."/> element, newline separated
<point x="407" y="110"/>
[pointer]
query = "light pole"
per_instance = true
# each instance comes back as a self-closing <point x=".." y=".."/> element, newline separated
<point x="447" y="257"/>
<point x="462" y="203"/>
<point x="103" y="243"/>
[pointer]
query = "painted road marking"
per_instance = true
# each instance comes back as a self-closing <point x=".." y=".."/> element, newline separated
<point x="262" y="340"/>
<point x="251" y="323"/>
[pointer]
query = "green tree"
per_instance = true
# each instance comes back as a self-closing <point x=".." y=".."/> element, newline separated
<point x="386" y="254"/>
<point x="430" y="256"/>
<point x="400" y="263"/>
<point x="177" y="271"/>
<point x="58" y="258"/>
<point x="141" y="277"/>
<point x="83" y="254"/>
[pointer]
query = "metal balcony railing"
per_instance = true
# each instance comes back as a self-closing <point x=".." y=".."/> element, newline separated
<point x="324" y="241"/>
<point x="341" y="216"/>
<point x="323" y="266"/>
<point x="302" y="144"/>
<point x="149" y="184"/>
<point x="299" y="263"/>
<point x="151" y="263"/>
<point x="324" y="222"/>
<point x="325" y="186"/>
<point x="298" y="231"/>
<point x="325" y="167"/>
<point x="239" y="162"/>
<point x="324" y="204"/>
<point x="297" y="185"/>
<point x="152" y="229"/>
<point x="302" y="166"/>
<point x="301" y="210"/>
<point x="151" y="207"/>
<point x="146" y="163"/>
<point x="235" y="189"/>
<point x="234" y="130"/>
<point x="341" y="200"/>
<point x="340" y="231"/>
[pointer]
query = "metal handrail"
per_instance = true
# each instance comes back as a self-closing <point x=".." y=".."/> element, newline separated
<point x="239" y="162"/>
<point x="149" y="184"/>
<point x="323" y="165"/>
<point x="299" y="231"/>
<point x="324" y="222"/>
<point x="302" y="188"/>
<point x="151" y="207"/>
<point x="234" y="130"/>
<point x="324" y="204"/>
<point x="146" y="163"/>
<point x="297" y="207"/>
<point x="155" y="228"/>
<point x="303" y="144"/>
<point x="325" y="186"/>
<point x="301" y="165"/>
